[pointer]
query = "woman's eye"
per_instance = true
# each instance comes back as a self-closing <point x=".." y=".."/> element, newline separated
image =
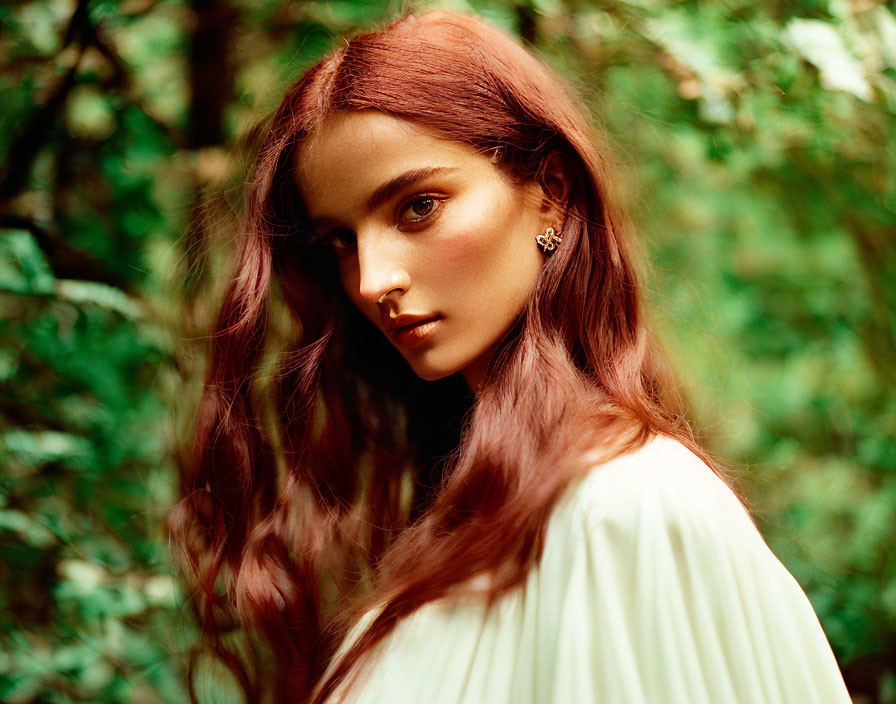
<point x="421" y="208"/>
<point x="340" y="240"/>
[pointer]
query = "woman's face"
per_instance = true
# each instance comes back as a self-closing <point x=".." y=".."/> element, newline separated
<point x="424" y="227"/>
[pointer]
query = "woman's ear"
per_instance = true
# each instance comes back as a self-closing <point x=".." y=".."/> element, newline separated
<point x="556" y="185"/>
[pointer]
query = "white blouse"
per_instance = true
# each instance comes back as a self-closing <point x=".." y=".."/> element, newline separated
<point x="654" y="587"/>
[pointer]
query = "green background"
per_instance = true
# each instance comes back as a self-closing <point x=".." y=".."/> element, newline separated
<point x="757" y="141"/>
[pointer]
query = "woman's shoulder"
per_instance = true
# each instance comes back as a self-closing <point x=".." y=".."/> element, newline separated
<point x="662" y="480"/>
<point x="685" y="601"/>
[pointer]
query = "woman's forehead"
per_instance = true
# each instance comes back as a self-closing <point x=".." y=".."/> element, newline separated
<point x="355" y="155"/>
<point x="370" y="137"/>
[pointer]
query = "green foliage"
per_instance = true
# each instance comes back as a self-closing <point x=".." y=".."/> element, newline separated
<point x="759" y="142"/>
<point x="88" y="598"/>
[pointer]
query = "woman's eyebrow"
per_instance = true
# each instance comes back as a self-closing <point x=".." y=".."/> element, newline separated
<point x="394" y="185"/>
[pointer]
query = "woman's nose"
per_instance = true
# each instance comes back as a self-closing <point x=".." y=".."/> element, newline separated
<point x="381" y="265"/>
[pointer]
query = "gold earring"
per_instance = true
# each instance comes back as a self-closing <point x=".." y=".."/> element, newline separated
<point x="549" y="240"/>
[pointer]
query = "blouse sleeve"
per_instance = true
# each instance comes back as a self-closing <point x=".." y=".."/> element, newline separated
<point x="683" y="601"/>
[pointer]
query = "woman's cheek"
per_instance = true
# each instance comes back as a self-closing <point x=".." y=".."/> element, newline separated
<point x="468" y="242"/>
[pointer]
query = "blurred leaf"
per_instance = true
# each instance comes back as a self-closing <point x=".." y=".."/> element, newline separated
<point x="23" y="268"/>
<point x="99" y="294"/>
<point x="29" y="530"/>
<point x="820" y="44"/>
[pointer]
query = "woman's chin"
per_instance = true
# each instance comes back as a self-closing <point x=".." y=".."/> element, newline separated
<point x="431" y="373"/>
<point x="429" y="368"/>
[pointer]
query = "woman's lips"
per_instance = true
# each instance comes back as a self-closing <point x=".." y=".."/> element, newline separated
<point x="416" y="334"/>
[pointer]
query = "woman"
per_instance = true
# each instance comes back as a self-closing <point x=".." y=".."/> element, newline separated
<point x="472" y="480"/>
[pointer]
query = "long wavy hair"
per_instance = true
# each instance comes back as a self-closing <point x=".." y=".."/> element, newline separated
<point x="337" y="481"/>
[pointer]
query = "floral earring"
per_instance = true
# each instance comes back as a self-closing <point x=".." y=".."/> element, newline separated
<point x="548" y="240"/>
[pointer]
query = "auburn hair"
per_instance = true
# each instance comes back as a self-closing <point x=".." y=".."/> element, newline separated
<point x="340" y="481"/>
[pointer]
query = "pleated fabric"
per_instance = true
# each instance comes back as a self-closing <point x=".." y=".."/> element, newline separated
<point x="654" y="587"/>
